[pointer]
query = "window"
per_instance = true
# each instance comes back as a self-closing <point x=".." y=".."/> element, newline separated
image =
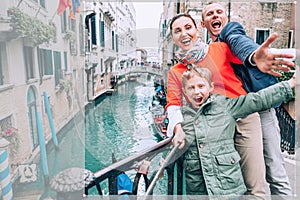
<point x="45" y="62"/>
<point x="262" y="35"/>
<point x="93" y="27"/>
<point x="72" y="24"/>
<point x="28" y="60"/>
<point x="117" y="43"/>
<point x="66" y="61"/>
<point x="102" y="32"/>
<point x="113" y="40"/>
<point x="41" y="2"/>
<point x="57" y="66"/>
<point x="290" y="42"/>
<point x="101" y="65"/>
<point x="81" y="38"/>
<point x="2" y="51"/>
<point x="6" y="123"/>
<point x="31" y="104"/>
<point x="64" y="22"/>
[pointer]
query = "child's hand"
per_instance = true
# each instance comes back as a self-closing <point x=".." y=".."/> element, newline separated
<point x="292" y="81"/>
<point x="179" y="136"/>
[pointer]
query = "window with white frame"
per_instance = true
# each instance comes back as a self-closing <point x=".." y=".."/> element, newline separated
<point x="28" y="61"/>
<point x="291" y="37"/>
<point x="261" y="35"/>
<point x="2" y="63"/>
<point x="57" y="66"/>
<point x="45" y="62"/>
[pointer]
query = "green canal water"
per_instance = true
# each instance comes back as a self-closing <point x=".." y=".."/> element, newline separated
<point x="119" y="124"/>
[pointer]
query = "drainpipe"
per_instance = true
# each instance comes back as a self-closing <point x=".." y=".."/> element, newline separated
<point x="229" y="5"/>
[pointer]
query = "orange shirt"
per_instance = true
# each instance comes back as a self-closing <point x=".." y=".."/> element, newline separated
<point x="218" y="61"/>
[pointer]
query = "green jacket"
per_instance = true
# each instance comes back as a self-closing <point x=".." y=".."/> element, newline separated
<point x="211" y="161"/>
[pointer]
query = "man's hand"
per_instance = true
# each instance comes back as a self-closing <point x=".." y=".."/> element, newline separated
<point x="267" y="62"/>
<point x="179" y="136"/>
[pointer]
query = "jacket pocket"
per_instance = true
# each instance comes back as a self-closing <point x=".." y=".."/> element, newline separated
<point x="229" y="172"/>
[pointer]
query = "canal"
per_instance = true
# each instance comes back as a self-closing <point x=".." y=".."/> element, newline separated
<point x="120" y="124"/>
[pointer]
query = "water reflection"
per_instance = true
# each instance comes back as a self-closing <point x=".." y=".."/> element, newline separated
<point x="120" y="124"/>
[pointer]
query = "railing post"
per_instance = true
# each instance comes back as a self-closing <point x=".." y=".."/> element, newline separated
<point x="5" y="180"/>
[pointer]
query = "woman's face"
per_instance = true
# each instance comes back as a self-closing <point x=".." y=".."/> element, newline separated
<point x="184" y="33"/>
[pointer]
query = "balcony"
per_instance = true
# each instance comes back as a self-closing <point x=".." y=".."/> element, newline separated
<point x="91" y="60"/>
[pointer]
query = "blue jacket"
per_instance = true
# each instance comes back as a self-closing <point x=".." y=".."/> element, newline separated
<point x="242" y="46"/>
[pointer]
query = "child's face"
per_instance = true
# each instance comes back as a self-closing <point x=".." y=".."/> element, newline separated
<point x="197" y="90"/>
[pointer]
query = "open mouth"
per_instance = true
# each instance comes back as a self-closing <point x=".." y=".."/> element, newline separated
<point x="216" y="24"/>
<point x="198" y="99"/>
<point x="186" y="41"/>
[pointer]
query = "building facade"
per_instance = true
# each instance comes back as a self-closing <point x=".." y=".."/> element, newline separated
<point x="260" y="18"/>
<point x="111" y="43"/>
<point x="42" y="57"/>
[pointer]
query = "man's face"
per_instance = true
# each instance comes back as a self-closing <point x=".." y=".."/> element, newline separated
<point x="214" y="19"/>
<point x="184" y="33"/>
<point x="197" y="90"/>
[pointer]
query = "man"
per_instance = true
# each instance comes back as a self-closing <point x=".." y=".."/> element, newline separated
<point x="214" y="19"/>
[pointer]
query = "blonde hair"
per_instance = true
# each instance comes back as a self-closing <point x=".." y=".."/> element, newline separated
<point x="196" y="71"/>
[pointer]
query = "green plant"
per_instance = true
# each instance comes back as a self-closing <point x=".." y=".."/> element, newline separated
<point x="27" y="26"/>
<point x="70" y="35"/>
<point x="286" y="76"/>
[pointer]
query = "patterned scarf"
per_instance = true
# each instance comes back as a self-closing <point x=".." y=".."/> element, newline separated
<point x="194" y="55"/>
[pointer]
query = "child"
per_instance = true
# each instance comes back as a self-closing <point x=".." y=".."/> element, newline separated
<point x="211" y="160"/>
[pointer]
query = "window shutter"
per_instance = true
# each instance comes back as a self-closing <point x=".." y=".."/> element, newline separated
<point x="102" y="38"/>
<point x="94" y="38"/>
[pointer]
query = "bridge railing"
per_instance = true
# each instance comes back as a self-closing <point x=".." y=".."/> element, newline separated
<point x="139" y="162"/>
<point x="139" y="69"/>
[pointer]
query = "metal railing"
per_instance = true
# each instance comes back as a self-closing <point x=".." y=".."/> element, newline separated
<point x="139" y="69"/>
<point x="140" y="162"/>
<point x="287" y="130"/>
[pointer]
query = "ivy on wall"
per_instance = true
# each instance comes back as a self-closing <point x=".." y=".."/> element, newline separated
<point x="27" y="26"/>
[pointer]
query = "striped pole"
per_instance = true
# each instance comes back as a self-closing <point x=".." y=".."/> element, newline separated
<point x="50" y="119"/>
<point x="5" y="181"/>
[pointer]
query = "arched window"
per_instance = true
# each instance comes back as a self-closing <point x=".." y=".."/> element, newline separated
<point x="31" y="104"/>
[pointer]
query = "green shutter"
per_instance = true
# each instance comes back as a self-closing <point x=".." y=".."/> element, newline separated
<point x="102" y="38"/>
<point x="94" y="37"/>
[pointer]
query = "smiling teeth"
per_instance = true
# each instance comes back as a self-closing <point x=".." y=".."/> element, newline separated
<point x="186" y="40"/>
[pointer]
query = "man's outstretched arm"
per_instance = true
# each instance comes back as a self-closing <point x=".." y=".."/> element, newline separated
<point x="251" y="53"/>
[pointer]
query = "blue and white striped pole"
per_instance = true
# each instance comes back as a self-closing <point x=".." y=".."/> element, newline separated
<point x="5" y="180"/>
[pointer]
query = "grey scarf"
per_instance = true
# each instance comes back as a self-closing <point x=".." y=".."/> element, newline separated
<point x="194" y="55"/>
